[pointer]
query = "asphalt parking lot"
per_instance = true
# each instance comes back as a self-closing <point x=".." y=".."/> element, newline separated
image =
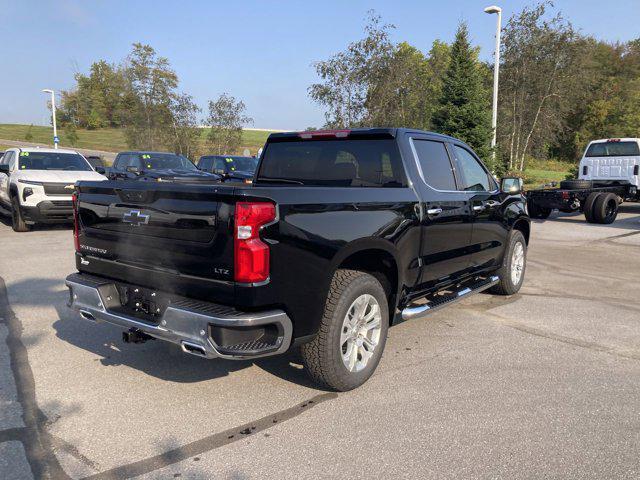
<point x="544" y="384"/>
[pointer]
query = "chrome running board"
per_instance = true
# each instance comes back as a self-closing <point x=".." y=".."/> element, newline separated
<point x="419" y="311"/>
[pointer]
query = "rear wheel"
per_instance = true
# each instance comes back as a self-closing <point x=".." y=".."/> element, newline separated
<point x="19" y="224"/>
<point x="352" y="334"/>
<point x="605" y="208"/>
<point x="513" y="265"/>
<point x="587" y="206"/>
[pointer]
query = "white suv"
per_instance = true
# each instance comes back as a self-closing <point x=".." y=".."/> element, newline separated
<point x="36" y="184"/>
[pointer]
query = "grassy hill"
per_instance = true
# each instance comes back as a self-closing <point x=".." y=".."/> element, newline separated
<point x="110" y="139"/>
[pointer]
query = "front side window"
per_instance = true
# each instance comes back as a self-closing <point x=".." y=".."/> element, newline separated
<point x="435" y="164"/>
<point x="52" y="161"/>
<point x="474" y="176"/>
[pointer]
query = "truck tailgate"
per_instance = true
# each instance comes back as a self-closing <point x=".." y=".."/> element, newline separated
<point x="168" y="230"/>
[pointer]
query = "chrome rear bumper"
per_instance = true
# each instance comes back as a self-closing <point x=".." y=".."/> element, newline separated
<point x="186" y="323"/>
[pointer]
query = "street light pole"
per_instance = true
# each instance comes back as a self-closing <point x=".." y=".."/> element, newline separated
<point x="53" y="111"/>
<point x="496" y="72"/>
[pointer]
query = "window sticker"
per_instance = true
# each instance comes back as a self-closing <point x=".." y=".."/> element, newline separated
<point x="24" y="154"/>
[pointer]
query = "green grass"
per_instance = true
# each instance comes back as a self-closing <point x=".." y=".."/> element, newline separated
<point x="534" y="177"/>
<point x="111" y="139"/>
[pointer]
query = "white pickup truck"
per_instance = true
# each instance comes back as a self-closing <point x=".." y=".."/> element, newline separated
<point x="612" y="161"/>
<point x="36" y="184"/>
<point x="608" y="174"/>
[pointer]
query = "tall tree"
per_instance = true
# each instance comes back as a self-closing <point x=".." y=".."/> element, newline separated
<point x="348" y="75"/>
<point x="183" y="133"/>
<point x="400" y="96"/>
<point x="464" y="105"/>
<point x="151" y="86"/>
<point x="226" y="118"/>
<point x="538" y="73"/>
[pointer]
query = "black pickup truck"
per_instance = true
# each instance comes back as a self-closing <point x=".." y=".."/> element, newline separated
<point x="342" y="234"/>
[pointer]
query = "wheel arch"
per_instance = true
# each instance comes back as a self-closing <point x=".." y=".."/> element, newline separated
<point x="13" y="190"/>
<point x="523" y="225"/>
<point x="376" y="257"/>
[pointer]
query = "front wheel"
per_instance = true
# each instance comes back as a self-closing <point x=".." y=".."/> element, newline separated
<point x="352" y="334"/>
<point x="18" y="222"/>
<point x="511" y="273"/>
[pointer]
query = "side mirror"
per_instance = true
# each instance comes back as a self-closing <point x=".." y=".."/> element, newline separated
<point x="101" y="170"/>
<point x="511" y="185"/>
<point x="4" y="168"/>
<point x="132" y="169"/>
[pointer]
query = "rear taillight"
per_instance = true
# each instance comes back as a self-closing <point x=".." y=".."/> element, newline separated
<point x="585" y="170"/>
<point x="251" y="253"/>
<point x="76" y="227"/>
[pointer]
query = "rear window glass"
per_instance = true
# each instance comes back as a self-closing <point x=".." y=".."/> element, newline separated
<point x="338" y="163"/>
<point x="613" y="149"/>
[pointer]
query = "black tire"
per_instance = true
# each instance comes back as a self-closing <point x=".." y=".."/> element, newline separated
<point x="605" y="208"/>
<point x="587" y="207"/>
<point x="507" y="286"/>
<point x="18" y="222"/>
<point x="575" y="184"/>
<point x="322" y="357"/>
<point x="538" y="212"/>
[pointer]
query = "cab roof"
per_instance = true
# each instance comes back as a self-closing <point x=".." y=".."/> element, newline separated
<point x="605" y="140"/>
<point x="355" y="133"/>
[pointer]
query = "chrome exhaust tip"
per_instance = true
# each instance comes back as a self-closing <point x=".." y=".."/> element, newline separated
<point x="193" y="349"/>
<point x="87" y="316"/>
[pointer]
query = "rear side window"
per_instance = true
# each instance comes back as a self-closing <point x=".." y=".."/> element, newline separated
<point x="435" y="164"/>
<point x="474" y="176"/>
<point x="336" y="163"/>
<point x="613" y="149"/>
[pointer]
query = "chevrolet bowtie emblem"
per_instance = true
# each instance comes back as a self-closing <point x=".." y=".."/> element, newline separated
<point x="135" y="218"/>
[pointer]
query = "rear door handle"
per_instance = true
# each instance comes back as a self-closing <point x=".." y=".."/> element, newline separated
<point x="434" y="211"/>
<point x="478" y="208"/>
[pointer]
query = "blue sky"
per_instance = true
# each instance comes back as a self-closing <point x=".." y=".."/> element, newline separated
<point x="259" y="51"/>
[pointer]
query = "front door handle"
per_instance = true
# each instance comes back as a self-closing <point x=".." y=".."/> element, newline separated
<point x="478" y="208"/>
<point x="434" y="211"/>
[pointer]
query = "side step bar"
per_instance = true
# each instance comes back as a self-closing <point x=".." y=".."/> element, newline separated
<point x="419" y="311"/>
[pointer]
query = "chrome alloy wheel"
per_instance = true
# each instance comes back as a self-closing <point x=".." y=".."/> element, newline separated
<point x="517" y="263"/>
<point x="360" y="332"/>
